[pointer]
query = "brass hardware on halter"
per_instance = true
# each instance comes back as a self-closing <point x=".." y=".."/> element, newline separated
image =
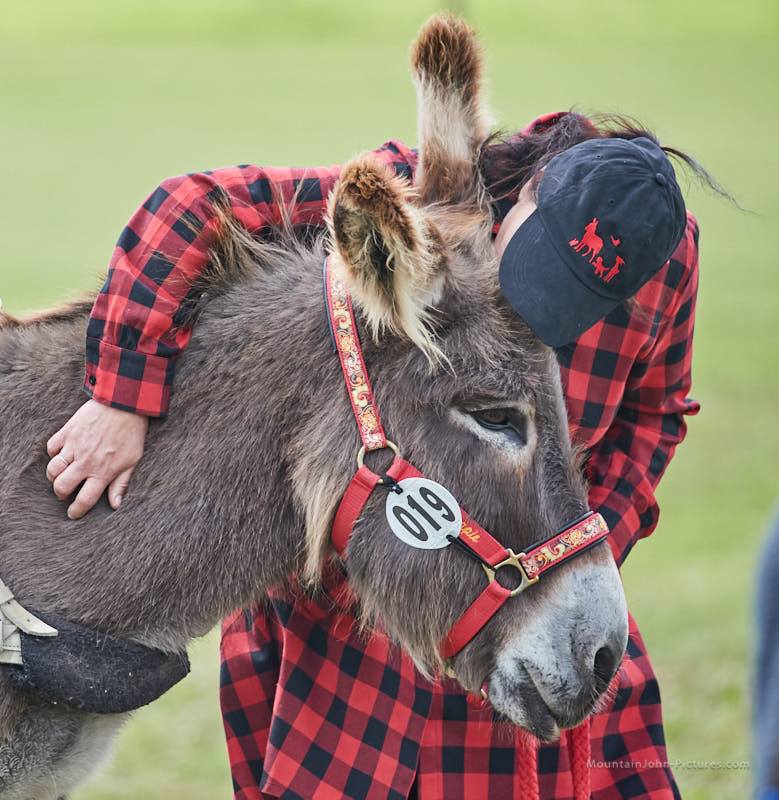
<point x="361" y="453"/>
<point x="514" y="560"/>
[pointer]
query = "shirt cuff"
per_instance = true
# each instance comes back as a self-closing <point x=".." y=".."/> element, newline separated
<point x="127" y="379"/>
<point x="629" y="518"/>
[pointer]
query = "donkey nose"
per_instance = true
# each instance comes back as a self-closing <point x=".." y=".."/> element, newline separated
<point x="605" y="665"/>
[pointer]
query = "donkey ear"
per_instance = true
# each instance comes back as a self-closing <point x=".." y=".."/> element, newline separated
<point x="393" y="257"/>
<point x="446" y="64"/>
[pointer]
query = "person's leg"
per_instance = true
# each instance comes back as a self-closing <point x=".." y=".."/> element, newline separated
<point x="766" y="691"/>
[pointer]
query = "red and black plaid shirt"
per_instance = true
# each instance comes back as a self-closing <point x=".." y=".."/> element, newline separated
<point x="312" y="709"/>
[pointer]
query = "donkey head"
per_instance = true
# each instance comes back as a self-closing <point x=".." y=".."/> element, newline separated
<point x="473" y="399"/>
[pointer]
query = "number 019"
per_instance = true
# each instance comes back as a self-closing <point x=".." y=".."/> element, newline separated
<point x="430" y="511"/>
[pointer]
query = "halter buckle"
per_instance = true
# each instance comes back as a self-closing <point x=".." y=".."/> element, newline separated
<point x="514" y="560"/>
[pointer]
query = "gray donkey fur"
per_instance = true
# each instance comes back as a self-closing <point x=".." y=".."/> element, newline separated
<point x="238" y="486"/>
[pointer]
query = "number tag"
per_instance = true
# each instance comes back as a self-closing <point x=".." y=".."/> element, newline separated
<point x="423" y="514"/>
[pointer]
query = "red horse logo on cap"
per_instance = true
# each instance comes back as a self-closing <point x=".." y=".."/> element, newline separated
<point x="590" y="242"/>
<point x="590" y="246"/>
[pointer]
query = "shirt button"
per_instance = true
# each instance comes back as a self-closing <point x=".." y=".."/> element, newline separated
<point x="660" y="178"/>
<point x="92" y="380"/>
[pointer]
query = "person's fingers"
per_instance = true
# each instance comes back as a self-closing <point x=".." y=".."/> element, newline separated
<point x="58" y="465"/>
<point x="67" y="481"/>
<point x="118" y="487"/>
<point x="54" y="445"/>
<point x="90" y="493"/>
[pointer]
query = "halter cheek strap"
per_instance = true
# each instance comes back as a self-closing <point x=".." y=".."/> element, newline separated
<point x="473" y="539"/>
<point x="343" y="327"/>
<point x="356" y="496"/>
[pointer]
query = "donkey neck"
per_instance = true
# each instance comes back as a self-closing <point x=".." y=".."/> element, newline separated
<point x="212" y="518"/>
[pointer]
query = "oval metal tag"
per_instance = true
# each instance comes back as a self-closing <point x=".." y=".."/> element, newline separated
<point x="423" y="514"/>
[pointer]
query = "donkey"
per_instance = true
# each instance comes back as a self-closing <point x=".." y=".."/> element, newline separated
<point x="238" y="487"/>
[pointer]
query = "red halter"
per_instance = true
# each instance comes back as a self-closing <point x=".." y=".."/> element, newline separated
<point x="473" y="539"/>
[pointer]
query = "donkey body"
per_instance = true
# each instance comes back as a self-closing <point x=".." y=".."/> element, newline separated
<point x="237" y="488"/>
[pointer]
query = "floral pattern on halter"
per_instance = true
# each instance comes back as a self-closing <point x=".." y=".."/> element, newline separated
<point x="575" y="538"/>
<point x="355" y="372"/>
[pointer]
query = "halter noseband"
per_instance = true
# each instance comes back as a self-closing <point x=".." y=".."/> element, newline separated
<point x="474" y="540"/>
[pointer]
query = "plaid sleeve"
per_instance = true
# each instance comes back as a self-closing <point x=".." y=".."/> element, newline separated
<point x="133" y="337"/>
<point x="627" y="464"/>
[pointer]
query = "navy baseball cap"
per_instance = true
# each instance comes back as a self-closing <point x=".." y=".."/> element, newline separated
<point x="609" y="214"/>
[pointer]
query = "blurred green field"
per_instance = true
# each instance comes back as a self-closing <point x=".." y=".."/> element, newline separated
<point x="100" y="101"/>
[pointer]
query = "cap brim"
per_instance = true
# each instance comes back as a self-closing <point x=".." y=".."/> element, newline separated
<point x="544" y="290"/>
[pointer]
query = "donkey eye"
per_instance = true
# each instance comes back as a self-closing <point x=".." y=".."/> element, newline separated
<point x="509" y="421"/>
<point x="492" y="418"/>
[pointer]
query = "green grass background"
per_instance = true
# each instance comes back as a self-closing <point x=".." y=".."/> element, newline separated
<point x="100" y="101"/>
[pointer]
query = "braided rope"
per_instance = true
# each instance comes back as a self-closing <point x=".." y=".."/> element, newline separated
<point x="578" y="740"/>
<point x="528" y="768"/>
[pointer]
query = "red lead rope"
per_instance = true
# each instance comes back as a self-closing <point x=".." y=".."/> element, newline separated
<point x="494" y="557"/>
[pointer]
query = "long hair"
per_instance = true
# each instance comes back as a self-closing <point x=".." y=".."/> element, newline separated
<point x="507" y="162"/>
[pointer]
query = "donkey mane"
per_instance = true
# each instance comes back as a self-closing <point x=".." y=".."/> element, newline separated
<point x="62" y="312"/>
<point x="234" y="256"/>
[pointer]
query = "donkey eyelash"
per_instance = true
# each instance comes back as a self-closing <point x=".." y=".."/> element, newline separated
<point x="504" y="420"/>
<point x="516" y="437"/>
<point x="475" y="404"/>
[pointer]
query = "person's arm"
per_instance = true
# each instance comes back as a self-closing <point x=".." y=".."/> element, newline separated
<point x="627" y="464"/>
<point x="135" y="331"/>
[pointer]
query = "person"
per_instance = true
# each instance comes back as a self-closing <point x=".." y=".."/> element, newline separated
<point x="310" y="707"/>
<point x="765" y="699"/>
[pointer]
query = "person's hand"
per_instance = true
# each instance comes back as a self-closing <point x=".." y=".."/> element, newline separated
<point x="98" y="446"/>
